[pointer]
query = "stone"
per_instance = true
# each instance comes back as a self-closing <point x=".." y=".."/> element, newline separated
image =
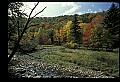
<point x="37" y="76"/>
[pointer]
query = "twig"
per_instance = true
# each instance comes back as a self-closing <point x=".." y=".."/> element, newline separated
<point x="33" y="9"/>
<point x="18" y="29"/>
<point x="17" y="43"/>
<point x="39" y="12"/>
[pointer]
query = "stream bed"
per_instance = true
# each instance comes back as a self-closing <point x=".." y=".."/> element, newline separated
<point x="31" y="66"/>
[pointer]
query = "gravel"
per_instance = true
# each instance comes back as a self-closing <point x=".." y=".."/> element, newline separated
<point x="29" y="67"/>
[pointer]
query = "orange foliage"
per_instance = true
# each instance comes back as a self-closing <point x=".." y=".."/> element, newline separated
<point x="81" y="25"/>
<point x="33" y="28"/>
<point x="46" y="26"/>
<point x="85" y="38"/>
<point x="90" y="27"/>
<point x="44" y="37"/>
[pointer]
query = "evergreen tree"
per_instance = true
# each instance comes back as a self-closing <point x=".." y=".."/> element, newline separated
<point x="51" y="35"/>
<point x="112" y="23"/>
<point x="76" y="31"/>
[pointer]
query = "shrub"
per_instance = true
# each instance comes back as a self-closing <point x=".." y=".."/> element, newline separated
<point x="71" y="45"/>
<point x="28" y="46"/>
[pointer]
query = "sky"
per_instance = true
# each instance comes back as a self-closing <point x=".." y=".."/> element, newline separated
<point x="66" y="8"/>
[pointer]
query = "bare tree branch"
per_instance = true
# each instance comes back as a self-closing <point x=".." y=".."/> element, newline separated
<point x="18" y="29"/>
<point x="39" y="12"/>
<point x="24" y="13"/>
<point x="33" y="9"/>
<point x="17" y="43"/>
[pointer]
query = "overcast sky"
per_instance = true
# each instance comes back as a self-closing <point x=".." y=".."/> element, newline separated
<point x="66" y="8"/>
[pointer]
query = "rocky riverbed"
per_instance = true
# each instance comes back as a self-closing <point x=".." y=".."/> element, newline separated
<point x="29" y="66"/>
<point x="24" y="66"/>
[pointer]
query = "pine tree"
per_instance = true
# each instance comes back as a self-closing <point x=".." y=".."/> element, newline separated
<point x="76" y="31"/>
<point x="112" y="23"/>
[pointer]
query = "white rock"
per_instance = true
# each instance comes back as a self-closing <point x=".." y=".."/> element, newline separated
<point x="37" y="77"/>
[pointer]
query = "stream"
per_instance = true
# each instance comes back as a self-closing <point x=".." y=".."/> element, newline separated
<point x="31" y="66"/>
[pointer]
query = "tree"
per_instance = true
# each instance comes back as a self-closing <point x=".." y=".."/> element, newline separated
<point x="52" y="36"/>
<point x="65" y="32"/>
<point x="92" y="30"/>
<point x="104" y="34"/>
<point x="112" y="23"/>
<point x="85" y="39"/>
<point x="84" y="18"/>
<point x="23" y="31"/>
<point x="42" y="36"/>
<point x="58" y="35"/>
<point x="76" y="31"/>
<point x="91" y="16"/>
<point x="97" y="37"/>
<point x="101" y="38"/>
<point x="15" y="21"/>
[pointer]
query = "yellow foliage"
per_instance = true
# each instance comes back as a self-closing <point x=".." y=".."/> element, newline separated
<point x="38" y="30"/>
<point x="35" y="34"/>
<point x="64" y="31"/>
<point x="82" y="25"/>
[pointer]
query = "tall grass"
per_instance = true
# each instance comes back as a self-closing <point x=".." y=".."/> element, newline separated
<point x="107" y="62"/>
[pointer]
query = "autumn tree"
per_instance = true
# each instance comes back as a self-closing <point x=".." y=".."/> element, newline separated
<point x="97" y="38"/>
<point x="91" y="16"/>
<point x="101" y="39"/>
<point x="58" y="35"/>
<point x="105" y="34"/>
<point x="84" y="37"/>
<point x="84" y="18"/>
<point x="65" y="32"/>
<point x="51" y="34"/>
<point x="90" y="28"/>
<point x="87" y="34"/>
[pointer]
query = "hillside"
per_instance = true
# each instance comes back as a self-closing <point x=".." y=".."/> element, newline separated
<point x="69" y="46"/>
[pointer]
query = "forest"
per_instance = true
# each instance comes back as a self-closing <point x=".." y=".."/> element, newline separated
<point x="90" y="40"/>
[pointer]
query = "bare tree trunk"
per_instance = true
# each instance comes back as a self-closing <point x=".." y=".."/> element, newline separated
<point x="59" y="37"/>
<point x="17" y="44"/>
<point x="52" y="40"/>
<point x="59" y="41"/>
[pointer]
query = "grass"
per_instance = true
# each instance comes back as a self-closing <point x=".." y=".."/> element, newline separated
<point x="107" y="62"/>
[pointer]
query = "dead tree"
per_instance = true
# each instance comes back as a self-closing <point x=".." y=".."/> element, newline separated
<point x="21" y="35"/>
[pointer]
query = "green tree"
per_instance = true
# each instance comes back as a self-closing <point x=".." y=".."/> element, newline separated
<point x="76" y="31"/>
<point x="112" y="23"/>
<point x="51" y="34"/>
<point x="15" y="16"/>
<point x="97" y="38"/>
<point x="96" y="32"/>
<point x="101" y="38"/>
